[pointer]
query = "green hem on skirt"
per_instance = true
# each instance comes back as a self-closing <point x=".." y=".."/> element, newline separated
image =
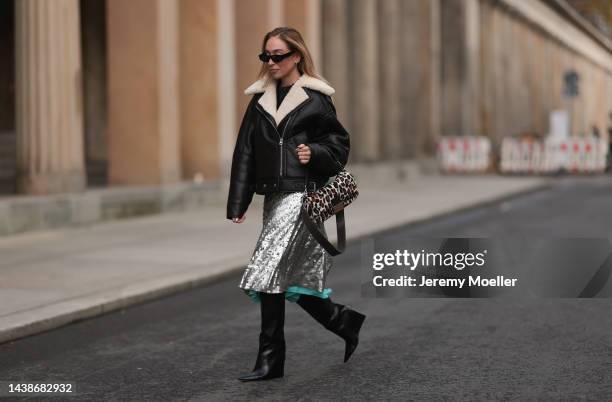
<point x="292" y="293"/>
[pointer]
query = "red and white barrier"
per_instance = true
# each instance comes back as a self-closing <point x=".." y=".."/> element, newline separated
<point x="574" y="155"/>
<point x="464" y="153"/>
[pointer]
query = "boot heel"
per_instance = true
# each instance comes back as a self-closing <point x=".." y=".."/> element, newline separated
<point x="271" y="365"/>
<point x="353" y="324"/>
<point x="277" y="372"/>
<point x="357" y="318"/>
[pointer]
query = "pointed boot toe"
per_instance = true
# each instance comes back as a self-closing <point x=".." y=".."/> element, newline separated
<point x="260" y="374"/>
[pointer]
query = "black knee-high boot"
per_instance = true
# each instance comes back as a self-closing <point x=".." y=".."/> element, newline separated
<point x="271" y="355"/>
<point x="337" y="318"/>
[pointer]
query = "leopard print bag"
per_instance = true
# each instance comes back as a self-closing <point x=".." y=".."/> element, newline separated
<point x="329" y="200"/>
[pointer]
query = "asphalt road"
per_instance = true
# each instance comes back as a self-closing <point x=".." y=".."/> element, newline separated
<point x="194" y="345"/>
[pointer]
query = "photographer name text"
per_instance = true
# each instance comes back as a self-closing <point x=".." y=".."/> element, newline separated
<point x="423" y="281"/>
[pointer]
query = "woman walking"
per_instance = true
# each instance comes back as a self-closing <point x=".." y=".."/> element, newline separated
<point x="289" y="140"/>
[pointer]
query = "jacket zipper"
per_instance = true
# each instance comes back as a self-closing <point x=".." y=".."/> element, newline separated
<point x="280" y="149"/>
<point x="280" y="144"/>
<point x="280" y="141"/>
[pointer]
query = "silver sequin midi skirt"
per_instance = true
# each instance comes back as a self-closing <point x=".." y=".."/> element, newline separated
<point x="287" y="258"/>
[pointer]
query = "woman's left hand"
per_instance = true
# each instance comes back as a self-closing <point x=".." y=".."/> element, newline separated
<point x="303" y="152"/>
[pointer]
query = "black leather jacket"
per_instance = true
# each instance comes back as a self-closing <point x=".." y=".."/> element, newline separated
<point x="265" y="156"/>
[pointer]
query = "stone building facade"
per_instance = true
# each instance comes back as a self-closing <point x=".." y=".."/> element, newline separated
<point x="101" y="93"/>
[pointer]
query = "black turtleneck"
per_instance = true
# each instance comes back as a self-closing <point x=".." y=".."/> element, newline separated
<point x="281" y="92"/>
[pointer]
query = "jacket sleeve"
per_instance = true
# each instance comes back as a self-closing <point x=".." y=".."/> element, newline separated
<point x="243" y="166"/>
<point x="331" y="143"/>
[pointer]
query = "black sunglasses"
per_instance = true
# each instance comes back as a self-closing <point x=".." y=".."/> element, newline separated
<point x="277" y="58"/>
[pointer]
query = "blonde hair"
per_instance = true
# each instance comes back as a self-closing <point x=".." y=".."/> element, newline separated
<point x="294" y="42"/>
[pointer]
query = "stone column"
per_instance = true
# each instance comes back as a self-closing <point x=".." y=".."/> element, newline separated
<point x="420" y="89"/>
<point x="460" y="30"/>
<point x="276" y="13"/>
<point x="427" y="142"/>
<point x="199" y="88"/>
<point x="143" y="82"/>
<point x="335" y="57"/>
<point x="49" y="105"/>
<point x="433" y="133"/>
<point x="252" y="19"/>
<point x="472" y="124"/>
<point x="305" y="16"/>
<point x="226" y="86"/>
<point x="364" y="83"/>
<point x="390" y="79"/>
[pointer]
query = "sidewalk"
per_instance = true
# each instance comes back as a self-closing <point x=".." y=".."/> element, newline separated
<point x="51" y="278"/>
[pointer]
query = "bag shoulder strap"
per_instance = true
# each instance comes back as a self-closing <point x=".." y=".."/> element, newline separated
<point x="320" y="237"/>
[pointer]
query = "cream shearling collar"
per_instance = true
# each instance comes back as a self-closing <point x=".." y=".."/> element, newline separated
<point x="294" y="97"/>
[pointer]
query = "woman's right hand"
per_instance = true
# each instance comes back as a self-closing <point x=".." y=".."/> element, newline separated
<point x="239" y="220"/>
